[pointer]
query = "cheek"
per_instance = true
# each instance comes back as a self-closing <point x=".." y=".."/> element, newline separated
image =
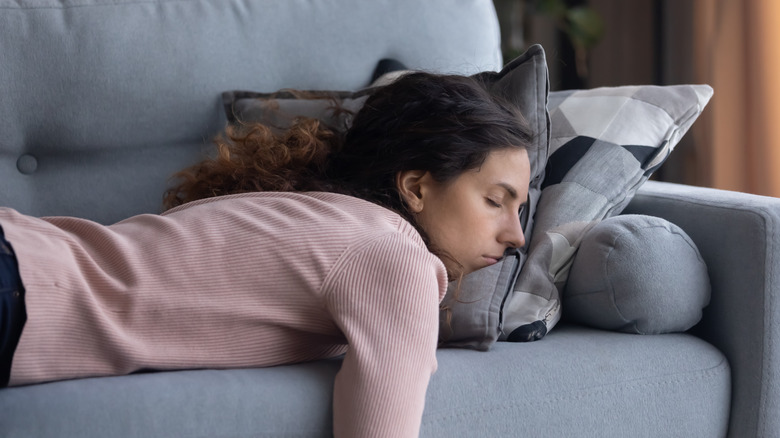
<point x="467" y="229"/>
<point x="457" y="222"/>
<point x="447" y="230"/>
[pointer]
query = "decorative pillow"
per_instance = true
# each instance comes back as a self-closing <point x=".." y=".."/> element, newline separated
<point x="471" y="310"/>
<point x="637" y="274"/>
<point x="604" y="144"/>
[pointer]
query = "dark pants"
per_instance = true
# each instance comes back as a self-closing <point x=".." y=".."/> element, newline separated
<point x="12" y="311"/>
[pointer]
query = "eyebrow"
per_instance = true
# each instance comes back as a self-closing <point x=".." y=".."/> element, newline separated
<point x="511" y="190"/>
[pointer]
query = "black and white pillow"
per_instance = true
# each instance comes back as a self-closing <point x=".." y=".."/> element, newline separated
<point x="604" y="144"/>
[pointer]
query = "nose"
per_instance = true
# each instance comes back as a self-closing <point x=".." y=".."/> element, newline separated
<point x="513" y="235"/>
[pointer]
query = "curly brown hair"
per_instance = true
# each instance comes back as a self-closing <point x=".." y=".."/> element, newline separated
<point x="253" y="157"/>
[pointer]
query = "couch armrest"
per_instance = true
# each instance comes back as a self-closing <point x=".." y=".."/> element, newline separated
<point x="739" y="237"/>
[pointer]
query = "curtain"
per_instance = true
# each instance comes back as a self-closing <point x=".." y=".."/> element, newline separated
<point x="736" y="49"/>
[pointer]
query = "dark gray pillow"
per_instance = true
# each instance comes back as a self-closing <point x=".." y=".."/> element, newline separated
<point x="280" y="108"/>
<point x="637" y="274"/>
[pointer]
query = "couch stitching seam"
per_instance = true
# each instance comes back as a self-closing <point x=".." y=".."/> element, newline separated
<point x="588" y="393"/>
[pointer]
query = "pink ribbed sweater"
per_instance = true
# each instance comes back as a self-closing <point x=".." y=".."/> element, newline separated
<point x="246" y="280"/>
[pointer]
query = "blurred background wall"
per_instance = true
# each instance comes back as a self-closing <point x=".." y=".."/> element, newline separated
<point x="732" y="45"/>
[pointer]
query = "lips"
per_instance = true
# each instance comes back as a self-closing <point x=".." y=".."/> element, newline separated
<point x="492" y="260"/>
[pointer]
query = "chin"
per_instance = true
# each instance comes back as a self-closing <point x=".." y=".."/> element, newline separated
<point x="456" y="273"/>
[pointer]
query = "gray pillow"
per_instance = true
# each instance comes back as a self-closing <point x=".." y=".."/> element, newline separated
<point x="637" y="274"/>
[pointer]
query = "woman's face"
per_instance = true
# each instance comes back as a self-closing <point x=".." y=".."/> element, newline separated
<point x="475" y="217"/>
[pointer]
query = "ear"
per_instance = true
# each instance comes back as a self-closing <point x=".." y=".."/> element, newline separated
<point x="410" y="186"/>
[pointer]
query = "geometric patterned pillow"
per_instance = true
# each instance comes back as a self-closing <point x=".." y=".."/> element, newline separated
<point x="604" y="144"/>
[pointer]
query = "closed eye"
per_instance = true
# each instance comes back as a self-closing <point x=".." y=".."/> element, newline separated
<point x="492" y="203"/>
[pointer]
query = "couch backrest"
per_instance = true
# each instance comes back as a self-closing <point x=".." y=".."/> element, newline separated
<point x="102" y="100"/>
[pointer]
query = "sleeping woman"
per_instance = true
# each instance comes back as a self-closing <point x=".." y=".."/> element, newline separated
<point x="284" y="247"/>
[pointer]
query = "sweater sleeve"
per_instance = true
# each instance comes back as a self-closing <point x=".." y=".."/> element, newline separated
<point x="385" y="300"/>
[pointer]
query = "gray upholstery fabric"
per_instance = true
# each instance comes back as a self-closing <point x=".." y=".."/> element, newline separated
<point x="102" y="100"/>
<point x="739" y="237"/>
<point x="606" y="385"/>
<point x="637" y="274"/>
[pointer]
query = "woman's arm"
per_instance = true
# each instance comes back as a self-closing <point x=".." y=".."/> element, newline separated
<point x="385" y="299"/>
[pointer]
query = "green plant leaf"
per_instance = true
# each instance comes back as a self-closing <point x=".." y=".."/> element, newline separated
<point x="584" y="26"/>
<point x="553" y="8"/>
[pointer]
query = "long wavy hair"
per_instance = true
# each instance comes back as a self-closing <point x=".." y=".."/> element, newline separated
<point x="443" y="124"/>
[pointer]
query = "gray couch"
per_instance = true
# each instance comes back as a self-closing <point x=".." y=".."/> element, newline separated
<point x="102" y="100"/>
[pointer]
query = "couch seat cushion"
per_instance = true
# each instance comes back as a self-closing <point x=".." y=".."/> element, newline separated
<point x="575" y="382"/>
